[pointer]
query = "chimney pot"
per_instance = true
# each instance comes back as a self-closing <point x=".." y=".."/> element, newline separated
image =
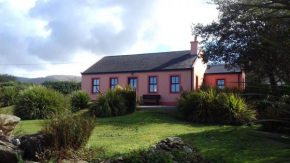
<point x="194" y="46"/>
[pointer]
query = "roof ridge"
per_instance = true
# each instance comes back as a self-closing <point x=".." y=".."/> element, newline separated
<point x="146" y="53"/>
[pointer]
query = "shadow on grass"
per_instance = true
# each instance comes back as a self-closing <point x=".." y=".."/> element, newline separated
<point x="237" y="145"/>
<point x="145" y="117"/>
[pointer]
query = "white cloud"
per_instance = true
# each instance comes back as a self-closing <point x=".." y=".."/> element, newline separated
<point x="84" y="31"/>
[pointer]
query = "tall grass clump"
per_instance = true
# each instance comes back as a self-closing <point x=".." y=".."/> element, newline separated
<point x="117" y="102"/>
<point x="8" y="95"/>
<point x="67" y="132"/>
<point x="65" y="138"/>
<point x="38" y="102"/>
<point x="234" y="109"/>
<point x="79" y="100"/>
<point x="129" y="96"/>
<point x="108" y="104"/>
<point x="213" y="107"/>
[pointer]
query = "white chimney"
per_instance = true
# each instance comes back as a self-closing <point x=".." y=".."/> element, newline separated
<point x="194" y="46"/>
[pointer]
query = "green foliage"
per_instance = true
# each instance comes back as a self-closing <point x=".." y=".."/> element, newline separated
<point x="129" y="97"/>
<point x="8" y="95"/>
<point x="7" y="78"/>
<point x="116" y="102"/>
<point x="9" y="91"/>
<point x="10" y="83"/>
<point x="79" y="100"/>
<point x="250" y="34"/>
<point x="67" y="132"/>
<point x="159" y="157"/>
<point x="234" y="110"/>
<point x="108" y="104"/>
<point x="65" y="87"/>
<point x="234" y="90"/>
<point x="141" y="129"/>
<point x="274" y="115"/>
<point x="38" y="102"/>
<point x="211" y="106"/>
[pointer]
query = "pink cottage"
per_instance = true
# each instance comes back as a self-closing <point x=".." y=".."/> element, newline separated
<point x="165" y="74"/>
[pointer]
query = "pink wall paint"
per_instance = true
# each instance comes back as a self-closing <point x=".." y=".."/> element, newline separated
<point x="163" y="83"/>
<point x="231" y="80"/>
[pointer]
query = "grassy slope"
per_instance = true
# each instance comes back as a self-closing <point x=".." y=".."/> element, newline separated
<point x="7" y="110"/>
<point x="144" y="128"/>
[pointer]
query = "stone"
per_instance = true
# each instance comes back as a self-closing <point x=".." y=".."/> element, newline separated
<point x="187" y="150"/>
<point x="174" y="162"/>
<point x="16" y="142"/>
<point x="32" y="145"/>
<point x="9" y="152"/>
<point x="8" y="123"/>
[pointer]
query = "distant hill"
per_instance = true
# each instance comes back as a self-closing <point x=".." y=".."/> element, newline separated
<point x="50" y="78"/>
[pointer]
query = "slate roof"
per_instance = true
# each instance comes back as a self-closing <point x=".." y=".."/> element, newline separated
<point x="220" y="69"/>
<point x="164" y="61"/>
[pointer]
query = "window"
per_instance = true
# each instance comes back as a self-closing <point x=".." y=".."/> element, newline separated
<point x="113" y="83"/>
<point x="96" y="85"/>
<point x="133" y="83"/>
<point x="174" y="82"/>
<point x="220" y="83"/>
<point x="152" y="84"/>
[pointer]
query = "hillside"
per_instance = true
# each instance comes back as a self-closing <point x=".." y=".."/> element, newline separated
<point x="50" y="78"/>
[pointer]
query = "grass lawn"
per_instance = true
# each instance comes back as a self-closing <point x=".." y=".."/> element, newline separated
<point x="140" y="130"/>
<point x="7" y="110"/>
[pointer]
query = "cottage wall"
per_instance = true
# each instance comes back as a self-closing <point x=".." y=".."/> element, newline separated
<point x="231" y="80"/>
<point x="163" y="83"/>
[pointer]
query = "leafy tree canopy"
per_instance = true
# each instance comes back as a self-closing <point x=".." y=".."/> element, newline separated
<point x="253" y="34"/>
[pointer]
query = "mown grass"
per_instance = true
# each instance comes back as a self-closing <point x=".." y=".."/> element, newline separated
<point x="7" y="110"/>
<point x="140" y="130"/>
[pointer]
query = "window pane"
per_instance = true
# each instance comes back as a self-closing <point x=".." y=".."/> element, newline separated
<point x="155" y="80"/>
<point x="172" y="79"/>
<point x="151" y="80"/>
<point x="155" y="88"/>
<point x="135" y="82"/>
<point x="172" y="88"/>
<point x="177" y="79"/>
<point x="177" y="87"/>
<point x="96" y="89"/>
<point x="151" y="88"/>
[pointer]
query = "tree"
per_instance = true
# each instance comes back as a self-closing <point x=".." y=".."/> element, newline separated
<point x="252" y="34"/>
<point x="7" y="78"/>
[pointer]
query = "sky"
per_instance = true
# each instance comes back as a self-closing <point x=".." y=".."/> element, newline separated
<point x="52" y="37"/>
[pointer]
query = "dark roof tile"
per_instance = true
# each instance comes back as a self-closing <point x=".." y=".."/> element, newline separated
<point x="220" y="69"/>
<point x="163" y="61"/>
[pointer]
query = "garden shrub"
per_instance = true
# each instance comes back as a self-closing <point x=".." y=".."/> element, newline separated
<point x="116" y="102"/>
<point x="8" y="95"/>
<point x="129" y="97"/>
<point x="108" y="104"/>
<point x="67" y="132"/>
<point x="38" y="102"/>
<point x="79" y="100"/>
<point x="211" y="106"/>
<point x="234" y="109"/>
<point x="274" y="116"/>
<point x="65" y="87"/>
<point x="234" y="90"/>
